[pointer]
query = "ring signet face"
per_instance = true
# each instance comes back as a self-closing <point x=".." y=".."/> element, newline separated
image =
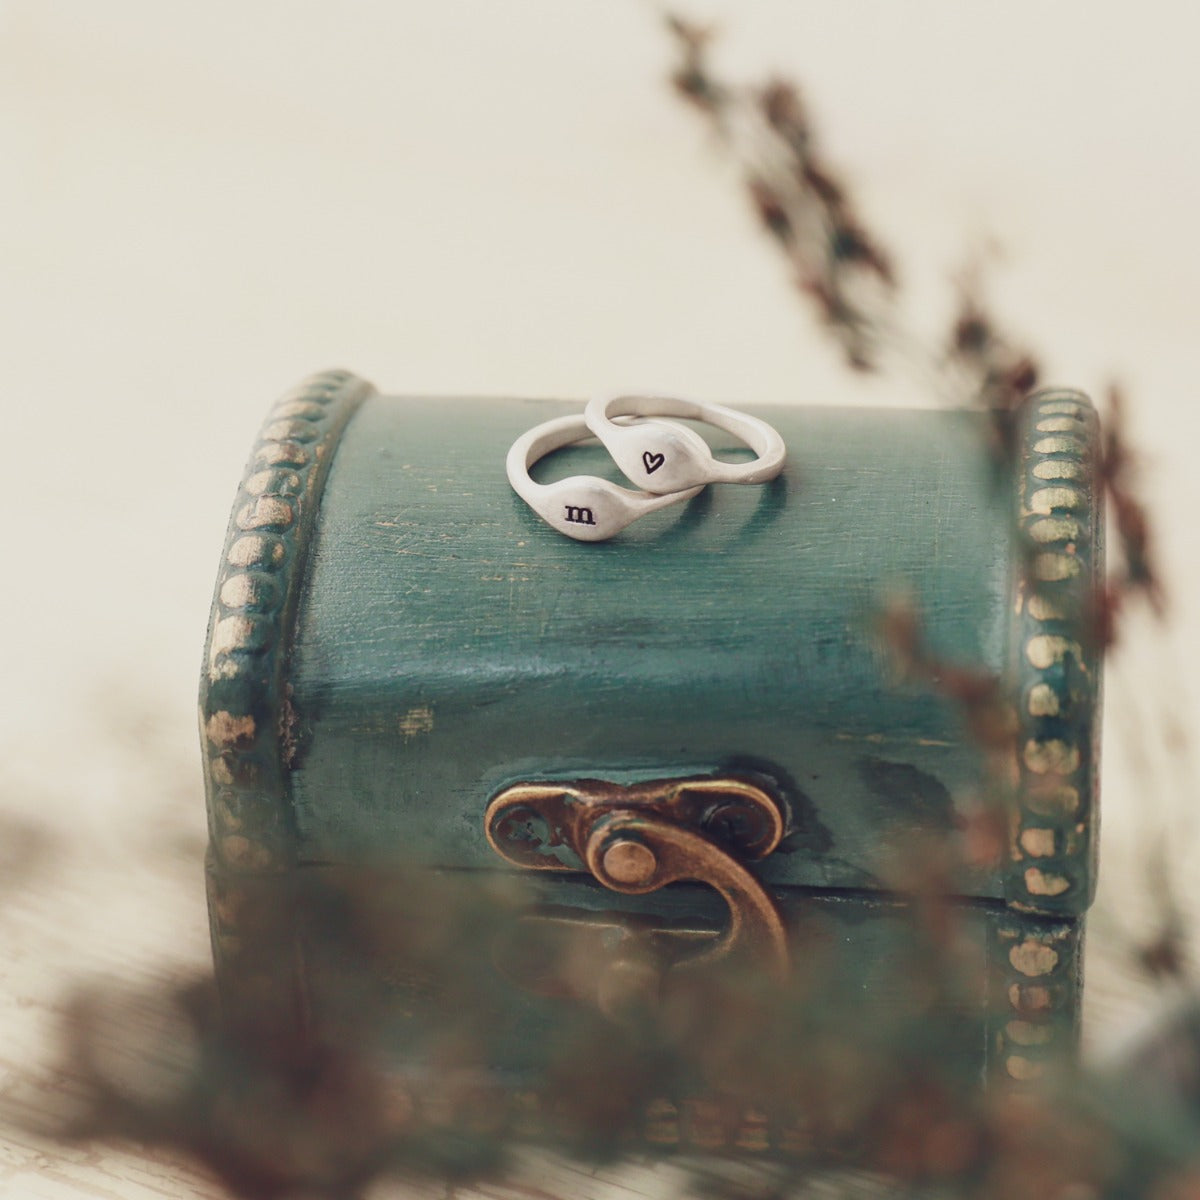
<point x="663" y="456"/>
<point x="584" y="507"/>
<point x="660" y="456"/>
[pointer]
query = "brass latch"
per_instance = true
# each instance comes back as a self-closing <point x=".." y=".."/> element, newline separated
<point x="639" y="838"/>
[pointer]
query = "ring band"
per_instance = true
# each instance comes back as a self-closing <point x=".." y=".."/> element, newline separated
<point x="663" y="457"/>
<point x="584" y="507"/>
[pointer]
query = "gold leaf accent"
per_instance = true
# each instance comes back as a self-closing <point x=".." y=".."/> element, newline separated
<point x="1057" y="443"/>
<point x="274" y="482"/>
<point x="1046" y="649"/>
<point x="1043" y="608"/>
<point x="1051" y="756"/>
<point x="289" y="431"/>
<point x="242" y="591"/>
<point x="1047" y="499"/>
<point x="300" y="410"/>
<point x="255" y="550"/>
<point x="416" y="721"/>
<point x="1032" y="958"/>
<point x="282" y="454"/>
<point x="1052" y="568"/>
<point x="221" y="771"/>
<point x="237" y="633"/>
<point x="1058" y="468"/>
<point x="1050" y="799"/>
<point x="1055" y="529"/>
<point x="1030" y="997"/>
<point x="267" y="512"/>
<point x="1038" y="842"/>
<point x="1044" y="883"/>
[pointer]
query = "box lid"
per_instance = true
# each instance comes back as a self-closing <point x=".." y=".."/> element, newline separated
<point x="396" y="636"/>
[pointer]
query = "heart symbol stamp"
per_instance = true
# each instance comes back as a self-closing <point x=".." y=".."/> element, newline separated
<point x="652" y="461"/>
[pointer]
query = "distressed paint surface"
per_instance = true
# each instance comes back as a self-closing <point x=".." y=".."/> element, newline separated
<point x="395" y="636"/>
<point x="740" y="630"/>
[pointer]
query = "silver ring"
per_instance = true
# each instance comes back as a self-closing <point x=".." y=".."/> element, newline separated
<point x="661" y="456"/>
<point x="584" y="507"/>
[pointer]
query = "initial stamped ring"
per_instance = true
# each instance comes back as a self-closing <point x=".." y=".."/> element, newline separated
<point x="584" y="507"/>
<point x="661" y="456"/>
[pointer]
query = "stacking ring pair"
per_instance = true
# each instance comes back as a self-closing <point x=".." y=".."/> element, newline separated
<point x="669" y="462"/>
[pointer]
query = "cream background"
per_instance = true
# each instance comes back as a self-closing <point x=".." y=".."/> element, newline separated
<point x="201" y="203"/>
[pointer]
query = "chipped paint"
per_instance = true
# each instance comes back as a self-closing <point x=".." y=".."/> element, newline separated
<point x="290" y="431"/>
<point x="224" y="729"/>
<point x="416" y="721"/>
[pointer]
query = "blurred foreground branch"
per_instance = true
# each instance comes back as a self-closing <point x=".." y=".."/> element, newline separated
<point x="841" y="267"/>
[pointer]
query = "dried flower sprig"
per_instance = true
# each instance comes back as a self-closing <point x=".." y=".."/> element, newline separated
<point x="807" y="210"/>
<point x="392" y="1071"/>
<point x="798" y="198"/>
<point x="990" y="722"/>
<point x="1135" y="572"/>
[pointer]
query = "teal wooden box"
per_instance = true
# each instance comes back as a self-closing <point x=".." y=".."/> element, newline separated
<point x="396" y="638"/>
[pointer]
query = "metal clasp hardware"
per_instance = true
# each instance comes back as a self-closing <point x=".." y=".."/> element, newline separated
<point x="639" y="838"/>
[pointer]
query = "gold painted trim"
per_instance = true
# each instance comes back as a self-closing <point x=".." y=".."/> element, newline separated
<point x="1056" y="661"/>
<point x="246" y="725"/>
